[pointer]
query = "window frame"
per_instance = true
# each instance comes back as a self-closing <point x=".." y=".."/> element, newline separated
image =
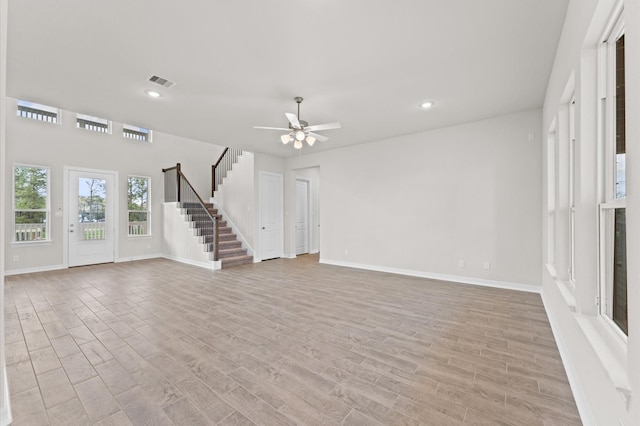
<point x="552" y="142"/>
<point x="46" y="210"/>
<point x="131" y="129"/>
<point x="58" y="112"/>
<point x="147" y="211"/>
<point x="94" y="119"/>
<point x="606" y="244"/>
<point x="572" y="191"/>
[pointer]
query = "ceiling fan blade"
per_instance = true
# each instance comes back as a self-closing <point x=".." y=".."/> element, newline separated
<point x="318" y="137"/>
<point x="327" y="126"/>
<point x="271" y="128"/>
<point x="293" y="119"/>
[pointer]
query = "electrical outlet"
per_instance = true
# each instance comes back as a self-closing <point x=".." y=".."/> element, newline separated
<point x="487" y="265"/>
<point x="16" y="258"/>
<point x="461" y="263"/>
<point x="346" y="251"/>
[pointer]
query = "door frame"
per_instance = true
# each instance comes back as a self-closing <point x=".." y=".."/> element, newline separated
<point x="65" y="209"/>
<point x="280" y="203"/>
<point x="307" y="183"/>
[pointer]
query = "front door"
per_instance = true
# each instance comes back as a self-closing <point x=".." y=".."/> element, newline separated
<point x="302" y="216"/>
<point x="270" y="215"/>
<point x="91" y="217"/>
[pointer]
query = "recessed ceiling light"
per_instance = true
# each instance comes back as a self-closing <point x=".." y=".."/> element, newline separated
<point x="153" y="93"/>
<point x="426" y="104"/>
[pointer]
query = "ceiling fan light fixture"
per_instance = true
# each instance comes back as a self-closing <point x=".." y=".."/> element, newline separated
<point x="299" y="135"/>
<point x="285" y="138"/>
<point x="297" y="144"/>
<point x="310" y="140"/>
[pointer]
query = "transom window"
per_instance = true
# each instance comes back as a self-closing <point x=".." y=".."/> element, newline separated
<point x="95" y="124"/>
<point x="38" y="112"/>
<point x="136" y="133"/>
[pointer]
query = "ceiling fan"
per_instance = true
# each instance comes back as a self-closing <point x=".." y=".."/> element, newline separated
<point x="299" y="130"/>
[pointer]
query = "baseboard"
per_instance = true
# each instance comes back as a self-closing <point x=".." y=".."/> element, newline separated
<point x="576" y="388"/>
<point x="59" y="267"/>
<point x="441" y="277"/>
<point x="5" y="409"/>
<point x="35" y="269"/>
<point x="207" y="265"/>
<point x="134" y="258"/>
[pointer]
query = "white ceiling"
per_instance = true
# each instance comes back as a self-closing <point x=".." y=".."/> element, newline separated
<point x="365" y="63"/>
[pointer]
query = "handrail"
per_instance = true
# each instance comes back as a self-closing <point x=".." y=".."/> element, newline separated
<point x="220" y="169"/>
<point x="185" y="193"/>
<point x="221" y="156"/>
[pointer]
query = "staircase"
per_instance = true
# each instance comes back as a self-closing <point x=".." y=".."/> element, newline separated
<point x="230" y="251"/>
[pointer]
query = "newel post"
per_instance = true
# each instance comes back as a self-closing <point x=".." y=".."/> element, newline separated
<point x="178" y="172"/>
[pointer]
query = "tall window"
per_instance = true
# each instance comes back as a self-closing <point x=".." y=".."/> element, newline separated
<point x="138" y="202"/>
<point x="613" y="235"/>
<point x="30" y="203"/>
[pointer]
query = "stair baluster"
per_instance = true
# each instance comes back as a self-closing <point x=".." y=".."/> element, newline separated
<point x="224" y="164"/>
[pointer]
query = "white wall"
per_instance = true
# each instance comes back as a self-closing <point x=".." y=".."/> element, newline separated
<point x="236" y="197"/>
<point x="5" y="412"/>
<point x="179" y="239"/>
<point x="420" y="203"/>
<point x="597" y="362"/>
<point x="56" y="146"/>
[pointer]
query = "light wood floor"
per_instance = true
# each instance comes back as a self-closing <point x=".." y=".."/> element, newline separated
<point x="281" y="342"/>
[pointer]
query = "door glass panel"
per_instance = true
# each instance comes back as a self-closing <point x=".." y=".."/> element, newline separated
<point x="92" y="198"/>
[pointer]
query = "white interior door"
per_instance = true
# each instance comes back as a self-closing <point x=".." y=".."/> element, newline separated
<point x="91" y="217"/>
<point x="270" y="216"/>
<point x="302" y="216"/>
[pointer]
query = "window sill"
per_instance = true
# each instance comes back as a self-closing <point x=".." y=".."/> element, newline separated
<point x="140" y="236"/>
<point x="567" y="293"/>
<point x="551" y="269"/>
<point x="30" y="243"/>
<point x="610" y="349"/>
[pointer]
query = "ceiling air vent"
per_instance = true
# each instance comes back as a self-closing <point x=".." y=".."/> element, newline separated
<point x="162" y="81"/>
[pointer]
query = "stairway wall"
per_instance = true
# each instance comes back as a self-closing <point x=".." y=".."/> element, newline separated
<point x="236" y="197"/>
<point x="179" y="241"/>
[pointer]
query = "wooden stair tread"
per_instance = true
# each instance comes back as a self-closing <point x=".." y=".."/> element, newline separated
<point x="236" y="260"/>
<point x="230" y="251"/>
